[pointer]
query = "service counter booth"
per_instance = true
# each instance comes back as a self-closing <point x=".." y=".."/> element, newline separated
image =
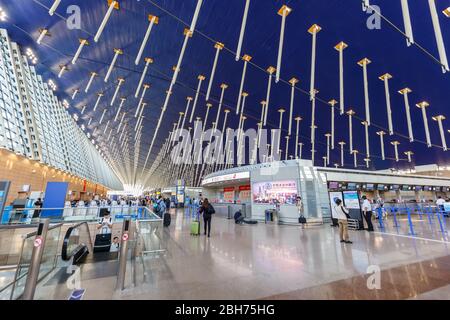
<point x="271" y="186"/>
<point x="275" y="187"/>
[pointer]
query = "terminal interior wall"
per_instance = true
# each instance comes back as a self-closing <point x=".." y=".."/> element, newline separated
<point x="22" y="171"/>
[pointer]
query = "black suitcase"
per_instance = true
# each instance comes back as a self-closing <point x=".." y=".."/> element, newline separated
<point x="167" y="219"/>
<point x="102" y="242"/>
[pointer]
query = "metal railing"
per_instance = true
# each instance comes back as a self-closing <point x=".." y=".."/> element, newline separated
<point x="144" y="237"/>
<point x="28" y="263"/>
<point x="74" y="214"/>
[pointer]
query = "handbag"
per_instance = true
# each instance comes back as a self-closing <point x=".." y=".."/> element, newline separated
<point x="302" y="220"/>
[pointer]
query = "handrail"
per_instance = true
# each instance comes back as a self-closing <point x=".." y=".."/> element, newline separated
<point x="64" y="255"/>
<point x="54" y="226"/>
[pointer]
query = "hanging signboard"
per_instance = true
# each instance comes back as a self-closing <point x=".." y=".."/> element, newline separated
<point x="228" y="194"/>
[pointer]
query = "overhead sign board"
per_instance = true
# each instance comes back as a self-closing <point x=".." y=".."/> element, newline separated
<point x="227" y="177"/>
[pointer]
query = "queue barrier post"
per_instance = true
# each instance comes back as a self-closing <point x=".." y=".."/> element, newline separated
<point x="411" y="226"/>
<point x="380" y="218"/>
<point x="441" y="222"/>
<point x="394" y="212"/>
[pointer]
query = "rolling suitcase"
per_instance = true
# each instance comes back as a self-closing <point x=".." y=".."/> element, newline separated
<point x="167" y="219"/>
<point x="195" y="225"/>
<point x="102" y="242"/>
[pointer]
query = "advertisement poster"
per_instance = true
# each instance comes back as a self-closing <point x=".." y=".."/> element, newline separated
<point x="228" y="194"/>
<point x="351" y="199"/>
<point x="244" y="194"/>
<point x="333" y="197"/>
<point x="282" y="192"/>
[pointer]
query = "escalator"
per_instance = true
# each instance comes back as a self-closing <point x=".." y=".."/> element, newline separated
<point x="77" y="244"/>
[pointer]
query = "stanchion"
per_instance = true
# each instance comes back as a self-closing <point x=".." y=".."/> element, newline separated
<point x="411" y="227"/>
<point x="123" y="254"/>
<point x="429" y="214"/>
<point x="419" y="211"/>
<point x="441" y="220"/>
<point x="394" y="212"/>
<point x="380" y="218"/>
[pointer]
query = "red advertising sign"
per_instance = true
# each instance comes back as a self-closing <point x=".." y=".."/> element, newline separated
<point x="244" y="188"/>
<point x="228" y="189"/>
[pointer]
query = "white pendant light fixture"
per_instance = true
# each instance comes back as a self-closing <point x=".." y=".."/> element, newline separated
<point x="405" y="93"/>
<point x="332" y="103"/>
<point x="120" y="81"/>
<point x="271" y="71"/>
<point x="223" y="86"/>
<point x="341" y="46"/>
<point x="140" y="115"/>
<point x="313" y="116"/>
<point x="287" y="147"/>
<point x="423" y="106"/>
<point x="91" y="79"/>
<point x="342" y="144"/>
<point x="99" y="97"/>
<point x="293" y="82"/>
<point x="106" y="127"/>
<point x="350" y="114"/>
<point x="188" y="104"/>
<point x="62" y="69"/>
<point x="42" y="33"/>
<point x="117" y="52"/>
<point x="219" y="47"/>
<point x="297" y="131"/>
<point x="53" y="8"/>
<point x="83" y="109"/>
<point x="83" y="42"/>
<point x="283" y="12"/>
<point x="407" y="23"/>
<point x="200" y="78"/>
<point x="153" y="20"/>
<point x="367" y="161"/>
<point x="438" y="35"/>
<point x="381" y="134"/>
<point x="365" y="4"/>
<point x="385" y="78"/>
<point x="355" y="158"/>
<point x="122" y="101"/>
<point x="112" y="5"/>
<point x="313" y="30"/>
<point x="102" y="117"/>
<point x="364" y="63"/>
<point x="328" y="137"/>
<point x="366" y="130"/>
<point x="263" y="110"/>
<point x="300" y="150"/>
<point x="246" y="59"/>
<point x="395" y="144"/>
<point x="439" y="120"/>
<point x="74" y="94"/>
<point x="241" y="35"/>
<point x="121" y="121"/>
<point x="146" y="86"/>
<point x="148" y="61"/>
<point x="409" y="154"/>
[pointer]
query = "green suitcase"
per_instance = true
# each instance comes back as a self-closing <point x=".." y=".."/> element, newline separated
<point x="195" y="228"/>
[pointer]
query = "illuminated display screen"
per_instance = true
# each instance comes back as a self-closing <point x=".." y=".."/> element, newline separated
<point x="282" y="192"/>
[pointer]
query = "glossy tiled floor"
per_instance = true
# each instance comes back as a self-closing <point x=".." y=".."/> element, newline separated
<point x="280" y="262"/>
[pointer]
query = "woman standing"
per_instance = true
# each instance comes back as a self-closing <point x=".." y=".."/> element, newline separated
<point x="207" y="210"/>
<point x="341" y="215"/>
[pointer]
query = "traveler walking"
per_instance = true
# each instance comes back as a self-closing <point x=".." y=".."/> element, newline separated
<point x="342" y="216"/>
<point x="208" y="210"/>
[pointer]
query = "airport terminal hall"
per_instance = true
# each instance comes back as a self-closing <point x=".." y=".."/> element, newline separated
<point x="222" y="158"/>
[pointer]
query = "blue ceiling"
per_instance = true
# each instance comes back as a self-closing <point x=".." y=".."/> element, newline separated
<point x="341" y="20"/>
